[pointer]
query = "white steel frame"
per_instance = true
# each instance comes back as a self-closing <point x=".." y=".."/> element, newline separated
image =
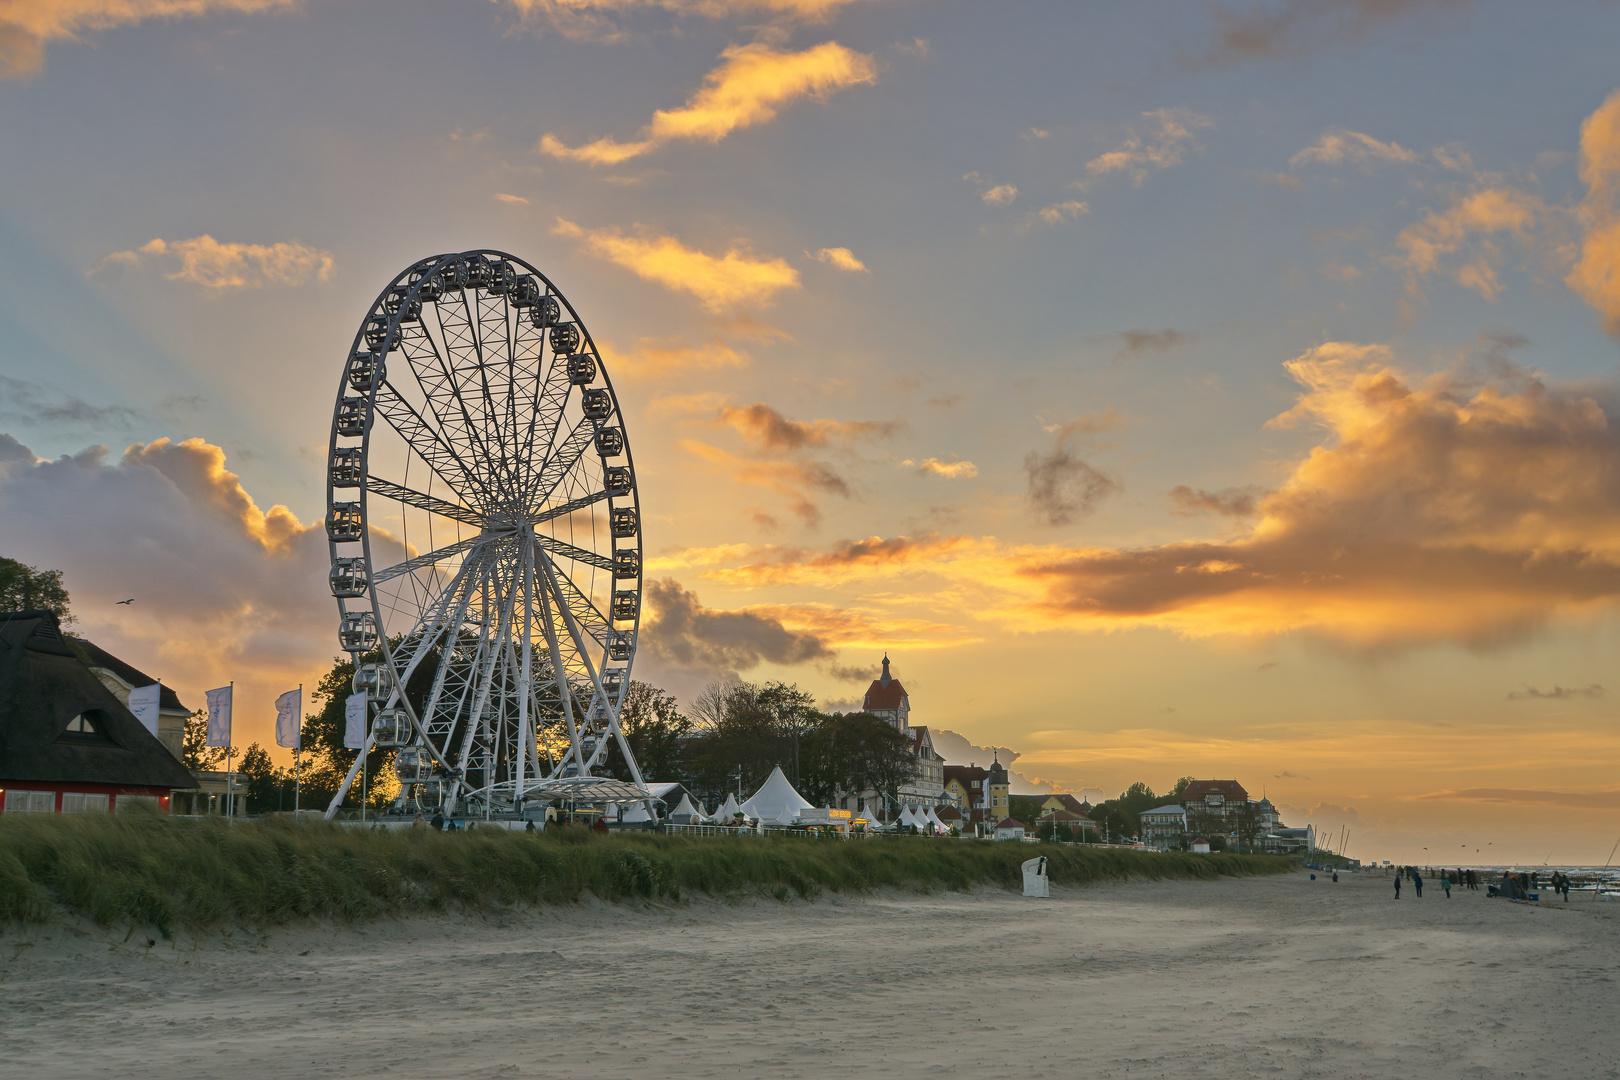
<point x="522" y="617"/>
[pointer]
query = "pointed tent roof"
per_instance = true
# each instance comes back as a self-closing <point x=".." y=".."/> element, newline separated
<point x="933" y="819"/>
<point x="728" y="809"/>
<point x="44" y="684"/>
<point x="686" y="810"/>
<point x="774" y="797"/>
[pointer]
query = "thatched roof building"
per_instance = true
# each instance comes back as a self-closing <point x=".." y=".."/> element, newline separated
<point x="66" y="741"/>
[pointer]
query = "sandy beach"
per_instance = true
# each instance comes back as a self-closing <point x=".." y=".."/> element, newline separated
<point x="1253" y="977"/>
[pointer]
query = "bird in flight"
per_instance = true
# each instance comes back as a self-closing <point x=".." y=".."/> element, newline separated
<point x="131" y="600"/>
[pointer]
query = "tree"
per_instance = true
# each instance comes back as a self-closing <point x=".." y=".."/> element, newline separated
<point x="266" y="784"/>
<point x="848" y="753"/>
<point x="655" y="729"/>
<point x="195" y="753"/>
<point x="326" y="760"/>
<point x="23" y="588"/>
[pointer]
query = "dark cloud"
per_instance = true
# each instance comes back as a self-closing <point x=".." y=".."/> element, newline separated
<point x="1063" y="486"/>
<point x="1235" y="502"/>
<point x="31" y="402"/>
<point x="1557" y="693"/>
<point x="1139" y="343"/>
<point x="684" y="634"/>
<point x="1286" y="775"/>
<point x="1291" y="29"/>
<point x="768" y="429"/>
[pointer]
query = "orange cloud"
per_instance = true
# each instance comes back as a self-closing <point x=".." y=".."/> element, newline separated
<point x="1338" y="146"/>
<point x="1164" y="147"/>
<point x="795" y="480"/>
<point x="840" y="257"/>
<point x="719" y="282"/>
<point x="1434" y="510"/>
<point x="1468" y="227"/>
<point x="948" y="470"/>
<point x="651" y="360"/>
<point x="1595" y="277"/>
<point x="769" y="430"/>
<point x="747" y="89"/>
<point x="217" y="267"/>
<point x="27" y="26"/>
<point x="600" y="19"/>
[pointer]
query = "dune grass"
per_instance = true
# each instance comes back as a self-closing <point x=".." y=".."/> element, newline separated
<point x="189" y="874"/>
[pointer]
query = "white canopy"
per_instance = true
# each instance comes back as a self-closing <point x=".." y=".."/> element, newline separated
<point x="686" y="814"/>
<point x="776" y="801"/>
<point x="634" y="814"/>
<point x="727" y="810"/>
<point x="908" y="817"/>
<point x="933" y="819"/>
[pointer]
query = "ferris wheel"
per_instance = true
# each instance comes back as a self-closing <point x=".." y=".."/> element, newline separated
<point x="485" y="535"/>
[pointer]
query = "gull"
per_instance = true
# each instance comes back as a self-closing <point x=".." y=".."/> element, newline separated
<point x="131" y="600"/>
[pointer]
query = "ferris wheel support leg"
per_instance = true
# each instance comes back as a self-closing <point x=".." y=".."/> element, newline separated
<point x="596" y="677"/>
<point x="525" y="666"/>
<point x="478" y="721"/>
<point x="557" y="671"/>
<point x="354" y="771"/>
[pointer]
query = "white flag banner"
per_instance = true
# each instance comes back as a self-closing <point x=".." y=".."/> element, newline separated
<point x="219" y="716"/>
<point x="288" y="708"/>
<point x="354" y="721"/>
<point x="143" y="702"/>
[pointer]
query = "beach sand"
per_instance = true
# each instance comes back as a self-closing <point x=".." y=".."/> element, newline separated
<point x="1248" y="977"/>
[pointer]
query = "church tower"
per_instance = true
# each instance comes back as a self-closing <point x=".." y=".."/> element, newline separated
<point x="887" y="700"/>
<point x="1000" y="789"/>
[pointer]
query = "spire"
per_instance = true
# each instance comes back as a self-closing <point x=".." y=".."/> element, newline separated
<point x="885" y="680"/>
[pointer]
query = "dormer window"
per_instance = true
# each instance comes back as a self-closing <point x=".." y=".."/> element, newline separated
<point x="86" y="727"/>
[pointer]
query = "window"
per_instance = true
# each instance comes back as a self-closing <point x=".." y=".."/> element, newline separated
<point x="75" y="802"/>
<point x="30" y="802"/>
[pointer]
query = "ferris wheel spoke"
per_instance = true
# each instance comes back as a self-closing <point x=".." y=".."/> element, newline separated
<point x="567" y="508"/>
<point x="569" y="452"/>
<point x="431" y="558"/>
<point x="400" y="493"/>
<point x="426" y="441"/>
<point x="441" y="382"/>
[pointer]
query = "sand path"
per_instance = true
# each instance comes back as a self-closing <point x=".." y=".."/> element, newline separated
<point x="1269" y="977"/>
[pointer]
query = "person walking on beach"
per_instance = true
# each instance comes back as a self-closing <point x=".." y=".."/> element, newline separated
<point x="1397" y="886"/>
<point x="1417" y="883"/>
<point x="1445" y="885"/>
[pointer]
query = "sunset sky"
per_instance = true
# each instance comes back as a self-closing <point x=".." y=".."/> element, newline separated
<point x="1224" y="389"/>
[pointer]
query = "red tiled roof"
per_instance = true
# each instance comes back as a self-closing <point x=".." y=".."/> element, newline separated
<point x="947" y="813"/>
<point x="1009" y="823"/>
<point x="1071" y="803"/>
<point x="879" y="696"/>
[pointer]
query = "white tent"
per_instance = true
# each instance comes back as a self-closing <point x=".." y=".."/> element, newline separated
<point x="687" y="814"/>
<point x="935" y="824"/>
<point x="727" y="810"/>
<point x="776" y="801"/>
<point x="908" y="818"/>
<point x="635" y="815"/>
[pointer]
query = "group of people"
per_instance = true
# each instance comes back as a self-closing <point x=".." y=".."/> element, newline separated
<point x="1466" y="879"/>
